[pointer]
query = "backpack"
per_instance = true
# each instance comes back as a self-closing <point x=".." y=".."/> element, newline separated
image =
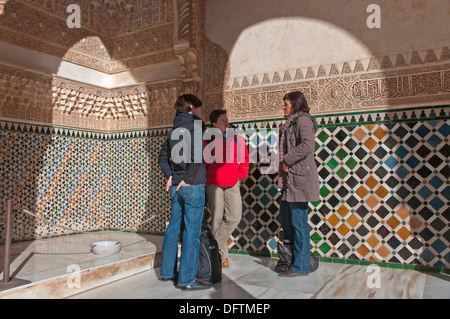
<point x="210" y="264"/>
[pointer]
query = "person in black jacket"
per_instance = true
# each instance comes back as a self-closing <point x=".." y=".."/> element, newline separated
<point x="181" y="161"/>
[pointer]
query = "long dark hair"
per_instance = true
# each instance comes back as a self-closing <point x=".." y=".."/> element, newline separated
<point x="298" y="102"/>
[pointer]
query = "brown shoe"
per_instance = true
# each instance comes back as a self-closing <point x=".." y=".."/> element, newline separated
<point x="291" y="273"/>
<point x="225" y="263"/>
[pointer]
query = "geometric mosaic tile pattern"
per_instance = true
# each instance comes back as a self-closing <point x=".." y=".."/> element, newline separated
<point x="79" y="183"/>
<point x="384" y="185"/>
<point x="385" y="195"/>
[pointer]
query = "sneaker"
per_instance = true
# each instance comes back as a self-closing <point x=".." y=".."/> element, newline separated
<point x="197" y="285"/>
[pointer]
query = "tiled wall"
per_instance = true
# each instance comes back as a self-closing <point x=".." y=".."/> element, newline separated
<point x="384" y="184"/>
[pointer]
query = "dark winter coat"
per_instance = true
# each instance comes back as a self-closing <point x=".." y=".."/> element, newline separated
<point x="187" y="137"/>
<point x="297" y="145"/>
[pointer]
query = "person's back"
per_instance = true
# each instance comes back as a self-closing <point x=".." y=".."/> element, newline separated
<point x="182" y="163"/>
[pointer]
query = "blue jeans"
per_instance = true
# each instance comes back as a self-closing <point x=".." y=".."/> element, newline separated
<point x="187" y="206"/>
<point x="294" y="220"/>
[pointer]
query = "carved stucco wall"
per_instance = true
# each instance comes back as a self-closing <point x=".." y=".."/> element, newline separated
<point x="122" y="70"/>
<point x="259" y="50"/>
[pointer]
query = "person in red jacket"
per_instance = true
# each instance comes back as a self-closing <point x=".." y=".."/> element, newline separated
<point x="227" y="162"/>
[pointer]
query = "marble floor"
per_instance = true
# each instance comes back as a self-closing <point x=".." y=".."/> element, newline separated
<point x="251" y="277"/>
<point x="248" y="277"/>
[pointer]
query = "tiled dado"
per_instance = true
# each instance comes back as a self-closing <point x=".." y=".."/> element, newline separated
<point x="80" y="180"/>
<point x="384" y="185"/>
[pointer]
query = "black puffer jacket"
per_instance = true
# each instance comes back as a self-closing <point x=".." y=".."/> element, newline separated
<point x="186" y="140"/>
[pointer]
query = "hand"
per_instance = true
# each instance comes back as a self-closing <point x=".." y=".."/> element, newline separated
<point x="169" y="183"/>
<point x="285" y="168"/>
<point x="182" y="183"/>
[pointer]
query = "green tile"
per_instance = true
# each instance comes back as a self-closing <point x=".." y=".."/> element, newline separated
<point x="352" y="261"/>
<point x="325" y="248"/>
<point x="315" y="204"/>
<point x="324" y="191"/>
<point x="351" y="163"/>
<point x="341" y="154"/>
<point x="395" y="265"/>
<point x="316" y="238"/>
<point x="333" y="163"/>
<point x="323" y="136"/>
<point x="342" y="172"/>
<point x="317" y="146"/>
<point x="325" y="259"/>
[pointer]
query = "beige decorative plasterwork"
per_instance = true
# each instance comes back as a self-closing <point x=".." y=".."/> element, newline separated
<point x="408" y="79"/>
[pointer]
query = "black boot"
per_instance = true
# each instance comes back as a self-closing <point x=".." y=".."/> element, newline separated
<point x="284" y="255"/>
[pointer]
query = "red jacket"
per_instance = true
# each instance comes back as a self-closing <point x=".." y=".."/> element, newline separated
<point x="226" y="172"/>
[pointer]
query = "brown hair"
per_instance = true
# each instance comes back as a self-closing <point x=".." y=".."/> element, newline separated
<point x="298" y="102"/>
<point x="214" y="116"/>
<point x="185" y="101"/>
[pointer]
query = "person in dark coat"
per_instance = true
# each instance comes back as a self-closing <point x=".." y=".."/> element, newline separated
<point x="181" y="161"/>
<point x="298" y="179"/>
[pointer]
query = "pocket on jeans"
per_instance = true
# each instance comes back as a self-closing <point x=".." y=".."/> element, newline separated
<point x="187" y="192"/>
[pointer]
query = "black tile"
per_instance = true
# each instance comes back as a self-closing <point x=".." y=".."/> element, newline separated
<point x="383" y="231"/>
<point x="402" y="192"/>
<point x="324" y="229"/>
<point x="333" y="201"/>
<point x="334" y="239"/>
<point x="361" y="172"/>
<point x="445" y="150"/>
<point x="332" y="145"/>
<point x="353" y="240"/>
<point x="323" y="154"/>
<point x="362" y="230"/>
<point x="414" y="202"/>
<point x="438" y="224"/>
<point x="401" y="132"/>
<point x="352" y="182"/>
<point x="372" y="221"/>
<point x="415" y="243"/>
<point x="362" y="211"/>
<point x="333" y="182"/>
<point x="392" y="182"/>
<point x="435" y="161"/>
<point x="381" y="172"/>
<point x="412" y="142"/>
<point x="341" y="135"/>
<point x="380" y="153"/>
<point x="413" y="182"/>
<point x="392" y="202"/>
<point x="351" y="144"/>
<point x="393" y="242"/>
<point x="390" y="143"/>
<point x="426" y="234"/>
<point x="342" y="191"/>
<point x="371" y="162"/>
<point x="352" y="201"/>
<point x="382" y="212"/>
<point x="360" y="153"/>
<point x="423" y="151"/>
<point x="343" y="249"/>
<point x="315" y="219"/>
<point x="426" y="213"/>
<point x="404" y="253"/>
